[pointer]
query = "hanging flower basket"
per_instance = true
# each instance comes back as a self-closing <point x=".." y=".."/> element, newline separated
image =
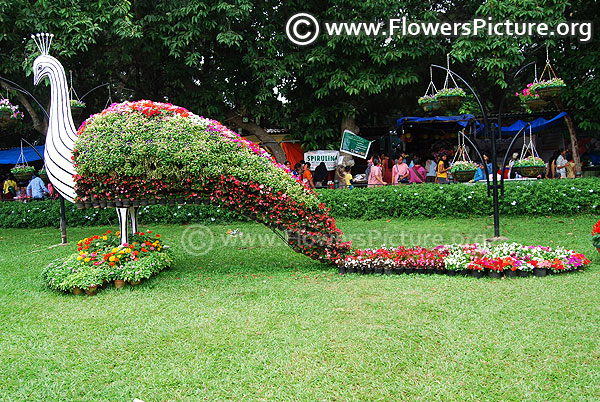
<point x="429" y="103"/>
<point x="77" y="107"/>
<point x="535" y="104"/>
<point x="463" y="171"/>
<point x="531" y="166"/>
<point x="9" y="114"/>
<point x="450" y="98"/>
<point x="550" y="89"/>
<point x="22" y="172"/>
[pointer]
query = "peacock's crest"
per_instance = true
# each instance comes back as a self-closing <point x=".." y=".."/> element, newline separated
<point x="43" y="42"/>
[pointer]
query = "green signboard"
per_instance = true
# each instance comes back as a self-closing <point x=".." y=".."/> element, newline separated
<point x="355" y="145"/>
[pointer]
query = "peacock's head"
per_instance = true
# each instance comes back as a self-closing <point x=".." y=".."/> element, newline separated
<point x="42" y="67"/>
<point x="44" y="64"/>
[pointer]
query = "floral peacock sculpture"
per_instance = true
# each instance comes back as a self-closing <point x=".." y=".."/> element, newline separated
<point x="141" y="152"/>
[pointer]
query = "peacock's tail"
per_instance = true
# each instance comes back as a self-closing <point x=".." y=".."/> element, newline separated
<point x="146" y="150"/>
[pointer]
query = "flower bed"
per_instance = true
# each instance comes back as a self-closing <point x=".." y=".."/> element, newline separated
<point x="596" y="235"/>
<point x="474" y="258"/>
<point x="102" y="259"/>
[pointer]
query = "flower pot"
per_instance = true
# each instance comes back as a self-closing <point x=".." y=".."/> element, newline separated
<point x="409" y="270"/>
<point x="494" y="274"/>
<point x="77" y="291"/>
<point x="464" y="175"/>
<point x="477" y="274"/>
<point x="549" y="93"/>
<point x="387" y="271"/>
<point x="171" y="203"/>
<point x="465" y="272"/>
<point x="378" y="270"/>
<point x="181" y="201"/>
<point x="451" y="273"/>
<point x="135" y="203"/>
<point x="119" y="283"/>
<point x="535" y="105"/>
<point x="342" y="270"/>
<point x="80" y="205"/>
<point x="511" y="274"/>
<point x="152" y="201"/>
<point x="110" y="204"/>
<point x="87" y="204"/>
<point x="351" y="270"/>
<point x="144" y="203"/>
<point x="23" y="176"/>
<point x="450" y="102"/>
<point x="523" y="274"/>
<point x="118" y="204"/>
<point x="430" y="107"/>
<point x="419" y="271"/>
<point x="439" y="271"/>
<point x="76" y="111"/>
<point x="134" y="283"/>
<point x="5" y="120"/>
<point x="368" y="271"/>
<point x="92" y="290"/>
<point x="102" y="204"/>
<point x="540" y="272"/>
<point x="530" y="171"/>
<point x="398" y="270"/>
<point x="126" y="203"/>
<point x="197" y="201"/>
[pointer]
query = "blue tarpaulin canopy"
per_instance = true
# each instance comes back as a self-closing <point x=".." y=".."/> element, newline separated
<point x="435" y="123"/>
<point x="537" y="125"/>
<point x="456" y="123"/>
<point x="11" y="156"/>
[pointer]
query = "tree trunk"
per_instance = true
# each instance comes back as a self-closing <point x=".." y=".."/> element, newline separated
<point x="265" y="138"/>
<point x="348" y="123"/>
<point x="571" y="127"/>
<point x="40" y="125"/>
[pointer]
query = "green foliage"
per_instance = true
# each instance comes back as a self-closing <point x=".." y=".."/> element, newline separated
<point x="450" y="92"/>
<point x="543" y="197"/>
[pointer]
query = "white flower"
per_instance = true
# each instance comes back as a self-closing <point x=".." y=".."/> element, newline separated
<point x="513" y="203"/>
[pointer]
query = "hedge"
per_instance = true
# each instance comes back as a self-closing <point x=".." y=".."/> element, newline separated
<point x="542" y="197"/>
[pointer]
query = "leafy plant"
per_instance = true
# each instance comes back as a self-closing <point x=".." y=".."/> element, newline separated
<point x="527" y="94"/>
<point x="461" y="166"/>
<point x="554" y="82"/>
<point x="427" y="99"/>
<point x="451" y="92"/>
<point x="22" y="169"/>
<point x="12" y="110"/>
<point x="530" y="161"/>
<point x="76" y="103"/>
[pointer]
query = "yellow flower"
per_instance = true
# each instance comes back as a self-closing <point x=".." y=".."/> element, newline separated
<point x="87" y="259"/>
<point x="128" y="250"/>
<point x="117" y="233"/>
<point x="114" y="250"/>
<point x="112" y="258"/>
<point x="104" y="238"/>
<point x="121" y="251"/>
<point x="79" y="258"/>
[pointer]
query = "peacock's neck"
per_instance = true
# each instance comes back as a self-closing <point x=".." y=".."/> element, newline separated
<point x="60" y="139"/>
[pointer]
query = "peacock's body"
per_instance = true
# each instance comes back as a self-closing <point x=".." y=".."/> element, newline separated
<point x="140" y="151"/>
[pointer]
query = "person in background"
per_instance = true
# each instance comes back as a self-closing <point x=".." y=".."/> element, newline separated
<point x="288" y="165"/>
<point x="512" y="173"/>
<point x="402" y="171"/>
<point x="320" y="175"/>
<point x="430" y="167"/>
<point x="417" y="173"/>
<point x="369" y="165"/>
<point x="297" y="170"/>
<point x="307" y="176"/>
<point x="348" y="178"/>
<point x="551" y="168"/>
<point x="376" y="174"/>
<point x="9" y="188"/>
<point x="340" y="173"/>
<point x="386" y="168"/>
<point x="561" y="164"/>
<point x="570" y="168"/>
<point x="36" y="189"/>
<point x="442" y="169"/>
<point x="410" y="161"/>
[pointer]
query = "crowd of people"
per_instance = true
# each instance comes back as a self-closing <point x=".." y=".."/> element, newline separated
<point x="35" y="189"/>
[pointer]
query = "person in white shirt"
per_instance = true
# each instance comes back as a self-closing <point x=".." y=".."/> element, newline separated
<point x="561" y="164"/>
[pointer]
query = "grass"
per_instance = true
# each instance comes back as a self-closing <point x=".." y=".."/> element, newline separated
<point x="247" y="319"/>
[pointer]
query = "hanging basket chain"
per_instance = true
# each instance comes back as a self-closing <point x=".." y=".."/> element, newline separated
<point x="528" y="146"/>
<point x="449" y="76"/>
<point x="548" y="67"/>
<point x="461" y="151"/>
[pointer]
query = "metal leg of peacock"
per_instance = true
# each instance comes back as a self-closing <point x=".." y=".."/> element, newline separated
<point x="133" y="215"/>
<point x="123" y="213"/>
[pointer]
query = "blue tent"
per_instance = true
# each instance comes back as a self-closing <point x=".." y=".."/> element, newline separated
<point x="537" y="125"/>
<point x="11" y="156"/>
<point x="436" y="123"/>
<point x="420" y="125"/>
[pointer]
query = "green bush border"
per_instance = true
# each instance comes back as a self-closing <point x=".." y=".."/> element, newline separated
<point x="533" y="198"/>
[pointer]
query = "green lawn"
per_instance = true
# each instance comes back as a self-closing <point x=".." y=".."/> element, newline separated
<point x="249" y="320"/>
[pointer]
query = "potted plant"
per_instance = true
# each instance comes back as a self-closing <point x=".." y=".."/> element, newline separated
<point x="549" y="89"/>
<point x="429" y="103"/>
<point x="532" y="166"/>
<point x="531" y="100"/>
<point x="450" y="98"/>
<point x="44" y="175"/>
<point x="463" y="171"/>
<point x="596" y="236"/>
<point x="9" y="113"/>
<point x="77" y="107"/>
<point x="22" y="172"/>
